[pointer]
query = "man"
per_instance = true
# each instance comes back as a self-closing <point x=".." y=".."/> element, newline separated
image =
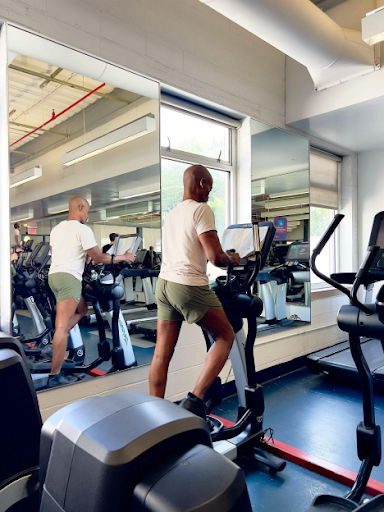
<point x="71" y="241"/>
<point x="106" y="247"/>
<point x="16" y="234"/>
<point x="182" y="291"/>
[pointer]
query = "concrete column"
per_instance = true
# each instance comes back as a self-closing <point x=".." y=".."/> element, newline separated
<point x="5" y="261"/>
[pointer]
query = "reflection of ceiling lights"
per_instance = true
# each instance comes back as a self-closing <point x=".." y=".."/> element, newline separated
<point x="131" y="131"/>
<point x="372" y="26"/>
<point x="25" y="176"/>
<point x="58" y="209"/>
<point x="23" y="216"/>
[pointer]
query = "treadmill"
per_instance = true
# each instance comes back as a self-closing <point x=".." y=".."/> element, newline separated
<point x="337" y="361"/>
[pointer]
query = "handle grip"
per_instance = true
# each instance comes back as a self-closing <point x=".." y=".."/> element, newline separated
<point x="327" y="235"/>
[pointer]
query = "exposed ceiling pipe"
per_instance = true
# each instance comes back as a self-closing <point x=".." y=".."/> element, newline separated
<point x="306" y="34"/>
<point x="55" y="116"/>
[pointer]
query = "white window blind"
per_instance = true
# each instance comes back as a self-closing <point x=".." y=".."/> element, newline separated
<point x="324" y="180"/>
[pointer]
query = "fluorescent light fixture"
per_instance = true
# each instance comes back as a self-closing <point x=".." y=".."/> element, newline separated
<point x="144" y="190"/>
<point x="23" y="216"/>
<point x="372" y="26"/>
<point x="25" y="176"/>
<point x="113" y="217"/>
<point x="61" y="208"/>
<point x="126" y="133"/>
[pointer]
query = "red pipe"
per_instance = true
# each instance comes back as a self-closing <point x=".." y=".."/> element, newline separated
<point x="54" y="116"/>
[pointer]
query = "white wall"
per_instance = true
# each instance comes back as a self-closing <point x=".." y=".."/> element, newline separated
<point x="185" y="44"/>
<point x="182" y="43"/>
<point x="370" y="194"/>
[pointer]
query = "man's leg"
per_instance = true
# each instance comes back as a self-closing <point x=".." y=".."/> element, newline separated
<point x="80" y="312"/>
<point x="166" y="339"/>
<point x="65" y="311"/>
<point x="216" y="323"/>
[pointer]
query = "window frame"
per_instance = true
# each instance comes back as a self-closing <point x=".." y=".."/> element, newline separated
<point x="212" y="163"/>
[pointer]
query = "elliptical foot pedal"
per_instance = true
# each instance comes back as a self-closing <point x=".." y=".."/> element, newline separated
<point x="215" y="427"/>
<point x="329" y="503"/>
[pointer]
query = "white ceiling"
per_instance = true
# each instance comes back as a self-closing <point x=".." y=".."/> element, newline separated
<point x="357" y="128"/>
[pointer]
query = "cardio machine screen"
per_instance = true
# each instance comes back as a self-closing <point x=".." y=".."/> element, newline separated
<point x="378" y="263"/>
<point x="298" y="252"/>
<point x="42" y="254"/>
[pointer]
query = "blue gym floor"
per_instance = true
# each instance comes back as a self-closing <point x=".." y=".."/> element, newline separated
<point x="313" y="414"/>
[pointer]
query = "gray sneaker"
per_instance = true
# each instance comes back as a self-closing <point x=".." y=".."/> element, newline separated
<point x="61" y="379"/>
<point x="194" y="404"/>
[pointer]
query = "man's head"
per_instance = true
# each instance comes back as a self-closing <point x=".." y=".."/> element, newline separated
<point x="197" y="183"/>
<point x="112" y="237"/>
<point x="16" y="225"/>
<point x="78" y="209"/>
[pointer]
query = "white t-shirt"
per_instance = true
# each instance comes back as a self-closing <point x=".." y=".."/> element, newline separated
<point x="183" y="257"/>
<point x="69" y="240"/>
<point x="16" y="232"/>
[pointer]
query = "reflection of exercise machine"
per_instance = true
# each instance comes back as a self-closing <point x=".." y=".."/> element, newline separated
<point x="246" y="437"/>
<point x="358" y="320"/>
<point x="337" y="361"/>
<point x="118" y="452"/>
<point x="292" y="275"/>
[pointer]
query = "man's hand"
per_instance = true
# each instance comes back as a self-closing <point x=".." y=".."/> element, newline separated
<point x="129" y="257"/>
<point x="235" y="258"/>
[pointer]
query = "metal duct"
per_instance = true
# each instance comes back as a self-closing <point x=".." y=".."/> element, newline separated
<point x="306" y="34"/>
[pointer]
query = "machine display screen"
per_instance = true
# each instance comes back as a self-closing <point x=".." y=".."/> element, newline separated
<point x="42" y="253"/>
<point x="380" y="235"/>
<point x="298" y="252"/>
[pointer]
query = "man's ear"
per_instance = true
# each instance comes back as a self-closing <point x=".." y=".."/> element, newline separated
<point x="201" y="183"/>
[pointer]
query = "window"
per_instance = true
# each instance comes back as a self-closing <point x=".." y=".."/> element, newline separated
<point x="326" y="261"/>
<point x="324" y="206"/>
<point x="189" y="133"/>
<point x="188" y="139"/>
<point x="172" y="191"/>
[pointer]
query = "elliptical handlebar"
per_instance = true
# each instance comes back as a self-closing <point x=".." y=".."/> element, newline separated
<point x="361" y="275"/>
<point x="317" y="250"/>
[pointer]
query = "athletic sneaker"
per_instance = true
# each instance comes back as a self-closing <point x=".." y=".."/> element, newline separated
<point x="61" y="379"/>
<point x="194" y="404"/>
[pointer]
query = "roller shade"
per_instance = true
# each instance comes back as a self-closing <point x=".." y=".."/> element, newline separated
<point x="324" y="180"/>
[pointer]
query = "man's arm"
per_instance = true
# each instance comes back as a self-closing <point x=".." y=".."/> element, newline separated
<point x="98" y="257"/>
<point x="214" y="252"/>
<point x="17" y="239"/>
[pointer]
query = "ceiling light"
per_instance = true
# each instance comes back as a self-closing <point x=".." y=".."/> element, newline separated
<point x="126" y="133"/>
<point x="24" y="176"/>
<point x="23" y="216"/>
<point x="58" y="209"/>
<point x="372" y="26"/>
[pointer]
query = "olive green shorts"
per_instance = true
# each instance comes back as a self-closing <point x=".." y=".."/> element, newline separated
<point x="65" y="286"/>
<point x="183" y="302"/>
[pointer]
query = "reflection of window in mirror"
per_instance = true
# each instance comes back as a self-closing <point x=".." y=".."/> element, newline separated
<point x="74" y="135"/>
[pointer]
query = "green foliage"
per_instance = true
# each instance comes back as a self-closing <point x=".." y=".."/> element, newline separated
<point x="172" y="191"/>
<point x="320" y="220"/>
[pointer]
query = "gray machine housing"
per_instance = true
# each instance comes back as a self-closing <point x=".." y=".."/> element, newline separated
<point x="133" y="452"/>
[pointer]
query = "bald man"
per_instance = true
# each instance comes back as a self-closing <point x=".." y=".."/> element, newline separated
<point x="182" y="290"/>
<point x="71" y="241"/>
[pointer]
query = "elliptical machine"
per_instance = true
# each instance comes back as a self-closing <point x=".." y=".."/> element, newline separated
<point x="246" y="437"/>
<point x="359" y="320"/>
<point x="121" y="452"/>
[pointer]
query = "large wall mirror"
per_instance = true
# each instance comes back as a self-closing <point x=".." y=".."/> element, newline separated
<point x="280" y="194"/>
<point x="80" y="126"/>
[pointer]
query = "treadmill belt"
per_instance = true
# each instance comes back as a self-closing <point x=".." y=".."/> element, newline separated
<point x="372" y="350"/>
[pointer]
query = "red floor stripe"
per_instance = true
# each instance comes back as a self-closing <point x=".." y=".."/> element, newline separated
<point x="317" y="465"/>
<point x="96" y="373"/>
